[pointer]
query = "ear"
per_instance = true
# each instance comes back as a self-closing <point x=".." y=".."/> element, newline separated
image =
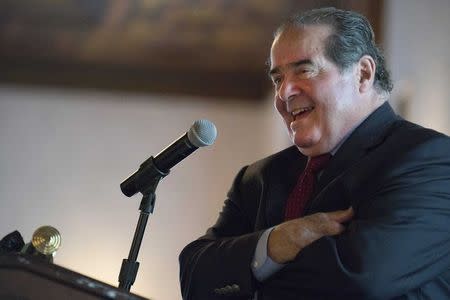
<point x="366" y="73"/>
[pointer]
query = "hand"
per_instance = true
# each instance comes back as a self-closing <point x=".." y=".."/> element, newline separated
<point x="287" y="239"/>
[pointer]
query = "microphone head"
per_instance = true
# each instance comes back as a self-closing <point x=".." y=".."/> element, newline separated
<point x="202" y="133"/>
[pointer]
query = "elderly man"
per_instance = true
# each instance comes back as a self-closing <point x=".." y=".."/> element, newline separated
<point x="358" y="208"/>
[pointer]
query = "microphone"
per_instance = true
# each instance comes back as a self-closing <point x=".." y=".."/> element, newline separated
<point x="202" y="133"/>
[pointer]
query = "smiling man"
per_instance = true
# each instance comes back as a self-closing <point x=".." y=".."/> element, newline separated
<point x="357" y="208"/>
<point x="319" y="102"/>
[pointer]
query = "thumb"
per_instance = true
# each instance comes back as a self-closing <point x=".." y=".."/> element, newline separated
<point x="342" y="216"/>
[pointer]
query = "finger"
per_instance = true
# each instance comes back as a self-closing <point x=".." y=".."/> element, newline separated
<point x="335" y="228"/>
<point x="342" y="216"/>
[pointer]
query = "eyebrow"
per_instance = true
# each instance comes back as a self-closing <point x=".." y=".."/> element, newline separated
<point x="293" y="64"/>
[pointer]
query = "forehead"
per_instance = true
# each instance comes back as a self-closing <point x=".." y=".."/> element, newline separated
<point x="295" y="44"/>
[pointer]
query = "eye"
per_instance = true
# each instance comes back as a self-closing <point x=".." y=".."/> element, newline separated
<point x="305" y="71"/>
<point x="276" y="80"/>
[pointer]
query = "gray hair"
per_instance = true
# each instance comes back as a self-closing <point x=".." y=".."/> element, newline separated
<point x="351" y="39"/>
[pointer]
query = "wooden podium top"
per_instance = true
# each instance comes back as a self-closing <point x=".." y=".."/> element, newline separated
<point x="26" y="277"/>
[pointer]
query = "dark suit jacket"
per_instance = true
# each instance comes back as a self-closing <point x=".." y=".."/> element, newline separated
<point x="395" y="174"/>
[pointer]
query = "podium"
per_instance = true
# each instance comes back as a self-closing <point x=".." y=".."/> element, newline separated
<point x="24" y="277"/>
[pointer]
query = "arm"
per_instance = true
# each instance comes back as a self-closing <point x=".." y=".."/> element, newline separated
<point x="262" y="265"/>
<point x="222" y="256"/>
<point x="398" y="241"/>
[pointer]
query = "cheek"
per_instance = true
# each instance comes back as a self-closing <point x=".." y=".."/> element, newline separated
<point x="335" y="108"/>
<point x="330" y="96"/>
<point x="281" y="108"/>
<point x="279" y="105"/>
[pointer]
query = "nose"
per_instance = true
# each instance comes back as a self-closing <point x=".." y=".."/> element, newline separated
<point x="288" y="89"/>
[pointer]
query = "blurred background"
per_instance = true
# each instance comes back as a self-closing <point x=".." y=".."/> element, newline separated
<point x="89" y="89"/>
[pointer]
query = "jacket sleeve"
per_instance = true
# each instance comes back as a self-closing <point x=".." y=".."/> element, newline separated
<point x="218" y="263"/>
<point x="398" y="241"/>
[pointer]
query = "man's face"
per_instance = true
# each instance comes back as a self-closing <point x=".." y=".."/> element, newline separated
<point x="318" y="102"/>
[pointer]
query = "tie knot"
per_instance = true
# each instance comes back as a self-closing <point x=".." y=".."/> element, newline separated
<point x="317" y="163"/>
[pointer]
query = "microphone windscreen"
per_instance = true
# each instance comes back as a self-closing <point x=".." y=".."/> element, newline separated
<point x="202" y="133"/>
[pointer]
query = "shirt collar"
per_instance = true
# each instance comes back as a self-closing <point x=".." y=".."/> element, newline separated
<point x="336" y="148"/>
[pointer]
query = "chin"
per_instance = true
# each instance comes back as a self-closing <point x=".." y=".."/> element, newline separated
<point x="308" y="147"/>
<point x="305" y="141"/>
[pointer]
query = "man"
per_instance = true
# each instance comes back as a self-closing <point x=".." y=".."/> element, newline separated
<point x="358" y="208"/>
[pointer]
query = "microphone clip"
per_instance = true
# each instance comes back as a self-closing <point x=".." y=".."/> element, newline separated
<point x="143" y="180"/>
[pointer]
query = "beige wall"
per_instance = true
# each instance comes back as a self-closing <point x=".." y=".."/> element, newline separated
<point x="417" y="45"/>
<point x="65" y="152"/>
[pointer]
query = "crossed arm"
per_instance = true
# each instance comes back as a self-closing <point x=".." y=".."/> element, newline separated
<point x="398" y="240"/>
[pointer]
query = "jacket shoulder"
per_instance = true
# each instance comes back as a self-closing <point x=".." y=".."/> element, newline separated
<point x="281" y="159"/>
<point x="410" y="136"/>
<point x="417" y="131"/>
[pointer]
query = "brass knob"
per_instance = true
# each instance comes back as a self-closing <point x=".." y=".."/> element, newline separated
<point x="46" y="240"/>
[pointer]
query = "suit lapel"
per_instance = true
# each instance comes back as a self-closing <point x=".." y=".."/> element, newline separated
<point x="365" y="137"/>
<point x="282" y="176"/>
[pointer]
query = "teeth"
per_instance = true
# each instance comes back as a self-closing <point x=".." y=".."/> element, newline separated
<point x="300" y="110"/>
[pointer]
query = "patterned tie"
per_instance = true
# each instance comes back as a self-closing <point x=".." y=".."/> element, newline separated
<point x="304" y="188"/>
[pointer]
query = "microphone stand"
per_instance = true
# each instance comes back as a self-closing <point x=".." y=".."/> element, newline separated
<point x="130" y="266"/>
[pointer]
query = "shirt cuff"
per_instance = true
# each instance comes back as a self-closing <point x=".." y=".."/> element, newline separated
<point x="262" y="265"/>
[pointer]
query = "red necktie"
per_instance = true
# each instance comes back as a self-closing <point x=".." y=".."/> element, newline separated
<point x="304" y="188"/>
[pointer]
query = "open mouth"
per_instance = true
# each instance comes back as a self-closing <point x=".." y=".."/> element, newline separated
<point x="301" y="112"/>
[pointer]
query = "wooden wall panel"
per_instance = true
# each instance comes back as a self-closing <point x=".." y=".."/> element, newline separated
<point x="215" y="48"/>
